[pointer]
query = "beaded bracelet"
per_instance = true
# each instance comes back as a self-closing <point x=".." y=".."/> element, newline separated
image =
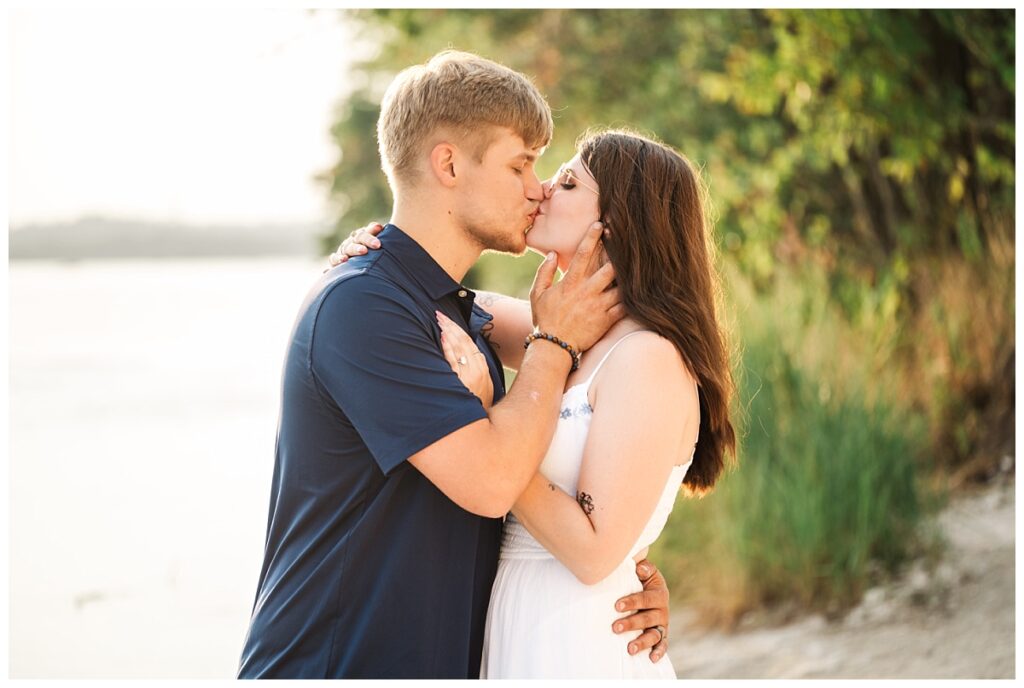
<point x="555" y="340"/>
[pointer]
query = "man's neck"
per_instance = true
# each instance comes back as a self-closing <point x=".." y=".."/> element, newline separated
<point x="433" y="229"/>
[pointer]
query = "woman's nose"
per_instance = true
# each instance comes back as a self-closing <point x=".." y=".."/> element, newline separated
<point x="548" y="185"/>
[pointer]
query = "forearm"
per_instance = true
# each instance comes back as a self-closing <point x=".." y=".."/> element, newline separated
<point x="560" y="523"/>
<point x="523" y="422"/>
<point x="512" y="321"/>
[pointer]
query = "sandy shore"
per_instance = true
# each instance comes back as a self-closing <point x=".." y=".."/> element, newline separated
<point x="952" y="620"/>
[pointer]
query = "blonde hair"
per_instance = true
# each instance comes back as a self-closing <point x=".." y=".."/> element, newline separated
<point x="464" y="93"/>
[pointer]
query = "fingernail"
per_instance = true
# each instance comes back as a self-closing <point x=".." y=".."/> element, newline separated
<point x="645" y="570"/>
<point x="549" y="257"/>
<point x="618" y="628"/>
<point x="375" y="243"/>
<point x="632" y="649"/>
<point x="620" y="606"/>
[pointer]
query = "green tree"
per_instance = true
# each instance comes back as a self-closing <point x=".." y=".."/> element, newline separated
<point x="861" y="169"/>
<point x="875" y="145"/>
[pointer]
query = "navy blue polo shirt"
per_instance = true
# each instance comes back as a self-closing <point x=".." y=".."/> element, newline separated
<point x="369" y="570"/>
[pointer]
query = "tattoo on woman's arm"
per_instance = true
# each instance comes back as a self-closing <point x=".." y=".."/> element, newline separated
<point x="486" y="331"/>
<point x="490" y="299"/>
<point x="586" y="502"/>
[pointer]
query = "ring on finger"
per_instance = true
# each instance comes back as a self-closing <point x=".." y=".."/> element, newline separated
<point x="662" y="632"/>
<point x="463" y="360"/>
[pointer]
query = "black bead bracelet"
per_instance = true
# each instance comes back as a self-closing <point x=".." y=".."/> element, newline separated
<point x="555" y="340"/>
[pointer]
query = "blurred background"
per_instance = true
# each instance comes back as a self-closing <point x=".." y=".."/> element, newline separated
<point x="176" y="179"/>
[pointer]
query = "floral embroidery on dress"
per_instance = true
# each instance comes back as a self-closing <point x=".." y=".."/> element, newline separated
<point x="576" y="412"/>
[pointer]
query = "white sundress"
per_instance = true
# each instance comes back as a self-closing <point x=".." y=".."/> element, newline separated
<point x="542" y="622"/>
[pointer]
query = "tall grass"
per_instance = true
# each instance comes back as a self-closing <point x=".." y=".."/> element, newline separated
<point x="826" y="492"/>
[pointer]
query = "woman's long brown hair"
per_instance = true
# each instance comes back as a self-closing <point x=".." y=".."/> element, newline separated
<point x="652" y="201"/>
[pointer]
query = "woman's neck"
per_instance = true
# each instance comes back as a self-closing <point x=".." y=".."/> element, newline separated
<point x="621" y="329"/>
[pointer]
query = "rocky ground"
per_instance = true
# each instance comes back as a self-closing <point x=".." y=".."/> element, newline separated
<point x="951" y="619"/>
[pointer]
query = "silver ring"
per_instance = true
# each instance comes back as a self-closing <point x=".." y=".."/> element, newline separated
<point x="661" y="632"/>
<point x="463" y="360"/>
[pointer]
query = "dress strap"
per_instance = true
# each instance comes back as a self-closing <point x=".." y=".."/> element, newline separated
<point x="609" y="353"/>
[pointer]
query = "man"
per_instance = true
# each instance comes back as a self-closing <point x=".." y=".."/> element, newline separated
<point x="390" y="477"/>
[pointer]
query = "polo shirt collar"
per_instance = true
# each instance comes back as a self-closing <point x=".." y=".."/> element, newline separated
<point x="422" y="267"/>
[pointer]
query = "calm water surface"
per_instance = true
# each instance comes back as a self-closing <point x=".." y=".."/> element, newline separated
<point x="143" y="409"/>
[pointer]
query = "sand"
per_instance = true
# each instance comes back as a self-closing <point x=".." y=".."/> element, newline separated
<point x="953" y="619"/>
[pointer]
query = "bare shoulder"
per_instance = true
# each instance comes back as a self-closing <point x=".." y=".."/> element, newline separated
<point x="647" y="363"/>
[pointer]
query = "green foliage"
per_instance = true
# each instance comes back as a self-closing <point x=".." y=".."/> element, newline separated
<point x="826" y="497"/>
<point x="871" y="143"/>
<point x="861" y="169"/>
<point x="828" y="124"/>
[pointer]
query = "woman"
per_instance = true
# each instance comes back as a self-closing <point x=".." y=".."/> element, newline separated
<point x="647" y="410"/>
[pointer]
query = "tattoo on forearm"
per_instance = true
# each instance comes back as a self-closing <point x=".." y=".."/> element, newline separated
<point x="586" y="502"/>
<point x="490" y="299"/>
<point x="486" y="331"/>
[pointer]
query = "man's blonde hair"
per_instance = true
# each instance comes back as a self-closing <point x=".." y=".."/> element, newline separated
<point x="461" y="92"/>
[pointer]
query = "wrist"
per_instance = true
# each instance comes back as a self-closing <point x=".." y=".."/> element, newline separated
<point x="537" y="335"/>
<point x="548" y="358"/>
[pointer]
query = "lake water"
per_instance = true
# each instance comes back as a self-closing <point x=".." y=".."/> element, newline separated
<point x="143" y="410"/>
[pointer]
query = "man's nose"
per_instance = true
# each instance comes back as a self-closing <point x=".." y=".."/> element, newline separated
<point x="535" y="190"/>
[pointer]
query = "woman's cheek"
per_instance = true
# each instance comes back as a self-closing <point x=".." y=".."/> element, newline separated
<point x="572" y="240"/>
<point x="540" y="239"/>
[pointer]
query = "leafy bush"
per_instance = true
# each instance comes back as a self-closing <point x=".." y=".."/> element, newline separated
<point x="826" y="492"/>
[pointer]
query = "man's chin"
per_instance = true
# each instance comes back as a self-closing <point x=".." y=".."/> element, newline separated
<point x="514" y="244"/>
<point x="510" y="248"/>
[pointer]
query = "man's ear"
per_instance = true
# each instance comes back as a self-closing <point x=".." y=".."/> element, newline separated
<point x="442" y="163"/>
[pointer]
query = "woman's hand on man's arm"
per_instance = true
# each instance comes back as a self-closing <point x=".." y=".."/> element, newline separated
<point x="507" y="332"/>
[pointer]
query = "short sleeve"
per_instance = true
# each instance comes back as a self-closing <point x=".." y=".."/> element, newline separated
<point x="377" y="356"/>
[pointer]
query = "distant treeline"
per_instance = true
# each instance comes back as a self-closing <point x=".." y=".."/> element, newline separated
<point x="98" y="237"/>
